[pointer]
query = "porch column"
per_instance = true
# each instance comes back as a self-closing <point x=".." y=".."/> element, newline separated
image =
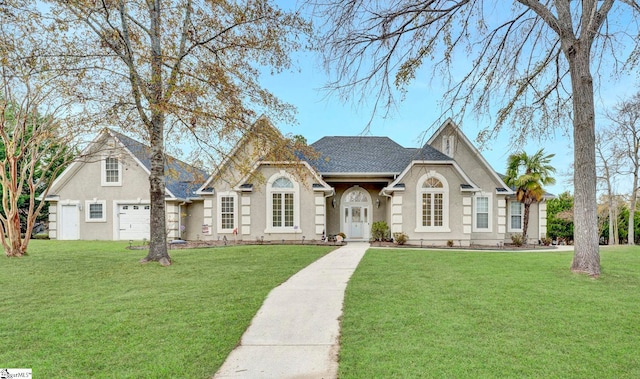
<point x="467" y="215"/>
<point x="396" y="214"/>
<point x="502" y="217"/>
<point x="245" y="202"/>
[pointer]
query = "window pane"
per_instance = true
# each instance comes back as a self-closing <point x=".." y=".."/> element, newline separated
<point x="95" y="211"/>
<point x="516" y="222"/>
<point x="226" y="211"/>
<point x="357" y="196"/>
<point x="282" y="183"/>
<point x="482" y="204"/>
<point x="482" y="220"/>
<point x="288" y="209"/>
<point x="516" y="208"/>
<point x="277" y="209"/>
<point x="516" y="215"/>
<point x="111" y="170"/>
<point x="426" y="209"/>
<point x="432" y="183"/>
<point x="437" y="209"/>
<point x="482" y="212"/>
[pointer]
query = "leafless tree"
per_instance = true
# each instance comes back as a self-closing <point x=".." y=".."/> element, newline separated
<point x="187" y="65"/>
<point x="533" y="58"/>
<point x="625" y="119"/>
<point x="607" y="161"/>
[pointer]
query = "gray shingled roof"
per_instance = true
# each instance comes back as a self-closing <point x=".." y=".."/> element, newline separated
<point x="368" y="155"/>
<point x="182" y="179"/>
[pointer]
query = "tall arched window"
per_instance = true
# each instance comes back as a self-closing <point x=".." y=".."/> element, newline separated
<point x="282" y="195"/>
<point x="432" y="203"/>
<point x="283" y="199"/>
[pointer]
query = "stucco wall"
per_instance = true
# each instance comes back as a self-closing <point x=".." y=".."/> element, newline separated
<point x="193" y="221"/>
<point x="252" y="213"/>
<point x="84" y="184"/>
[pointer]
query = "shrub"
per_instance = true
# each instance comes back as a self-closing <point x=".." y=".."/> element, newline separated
<point x="400" y="238"/>
<point x="450" y="243"/>
<point x="546" y="241"/>
<point x="379" y="231"/>
<point x="517" y="239"/>
<point x="41" y="236"/>
<point x="342" y="235"/>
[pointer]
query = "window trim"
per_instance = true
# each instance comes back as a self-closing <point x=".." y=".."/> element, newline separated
<point x="219" y="197"/>
<point x="103" y="172"/>
<point x="521" y="215"/>
<point x="87" y="210"/>
<point x="420" y="190"/>
<point x="489" y="228"/>
<point x="296" y="228"/>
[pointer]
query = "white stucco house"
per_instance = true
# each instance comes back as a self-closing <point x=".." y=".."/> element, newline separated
<point x="442" y="191"/>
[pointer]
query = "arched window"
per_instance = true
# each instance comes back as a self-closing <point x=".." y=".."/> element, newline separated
<point x="433" y="203"/>
<point x="283" y="204"/>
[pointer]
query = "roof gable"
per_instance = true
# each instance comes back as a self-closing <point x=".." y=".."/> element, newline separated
<point x="256" y="140"/>
<point x="449" y="127"/>
<point x="182" y="179"/>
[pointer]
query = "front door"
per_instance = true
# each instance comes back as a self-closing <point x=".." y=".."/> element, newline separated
<point x="356" y="213"/>
<point x="357" y="221"/>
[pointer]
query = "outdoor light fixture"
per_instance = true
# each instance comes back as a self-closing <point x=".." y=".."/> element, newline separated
<point x="334" y="202"/>
<point x="377" y="203"/>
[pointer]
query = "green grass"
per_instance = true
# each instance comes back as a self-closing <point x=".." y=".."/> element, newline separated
<point x="421" y="314"/>
<point x="90" y="310"/>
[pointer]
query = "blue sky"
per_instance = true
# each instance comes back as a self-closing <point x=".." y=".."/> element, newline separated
<point x="410" y="124"/>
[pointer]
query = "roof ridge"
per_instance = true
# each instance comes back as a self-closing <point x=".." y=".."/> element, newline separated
<point x="167" y="156"/>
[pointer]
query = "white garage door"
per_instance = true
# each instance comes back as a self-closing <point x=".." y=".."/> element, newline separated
<point x="134" y="221"/>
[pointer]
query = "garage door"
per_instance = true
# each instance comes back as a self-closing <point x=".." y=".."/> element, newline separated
<point x="134" y="221"/>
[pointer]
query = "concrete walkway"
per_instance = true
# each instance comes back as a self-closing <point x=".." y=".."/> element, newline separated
<point x="295" y="334"/>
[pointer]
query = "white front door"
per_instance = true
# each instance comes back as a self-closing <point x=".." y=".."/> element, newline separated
<point x="69" y="222"/>
<point x="134" y="221"/>
<point x="357" y="219"/>
<point x="356" y="213"/>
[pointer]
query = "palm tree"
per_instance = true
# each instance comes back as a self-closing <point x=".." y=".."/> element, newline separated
<point x="527" y="174"/>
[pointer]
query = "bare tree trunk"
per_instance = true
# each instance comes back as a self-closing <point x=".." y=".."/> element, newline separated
<point x="612" y="221"/>
<point x="586" y="257"/>
<point x="616" y="231"/>
<point x="11" y="239"/>
<point x="158" y="238"/>
<point x="632" y="210"/>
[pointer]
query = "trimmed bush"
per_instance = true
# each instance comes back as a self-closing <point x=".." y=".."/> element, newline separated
<point x="380" y="231"/>
<point x="400" y="238"/>
<point x="517" y="239"/>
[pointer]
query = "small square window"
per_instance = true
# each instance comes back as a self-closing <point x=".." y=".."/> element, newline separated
<point x="95" y="211"/>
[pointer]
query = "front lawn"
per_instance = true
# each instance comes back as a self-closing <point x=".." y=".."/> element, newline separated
<point x="420" y="314"/>
<point x="89" y="310"/>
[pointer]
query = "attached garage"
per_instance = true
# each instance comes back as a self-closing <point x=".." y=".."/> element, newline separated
<point x="133" y="221"/>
